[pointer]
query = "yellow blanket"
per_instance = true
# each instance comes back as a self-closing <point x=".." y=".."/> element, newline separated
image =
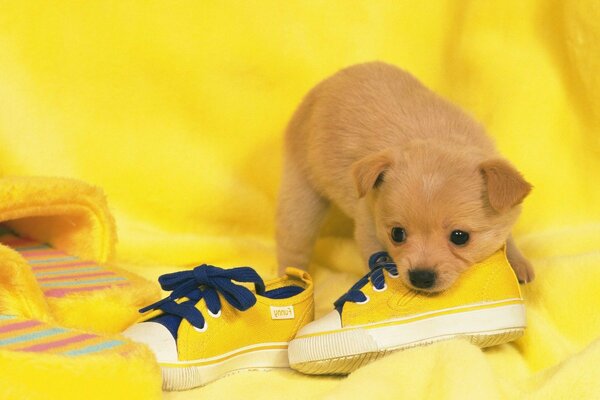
<point x="177" y="109"/>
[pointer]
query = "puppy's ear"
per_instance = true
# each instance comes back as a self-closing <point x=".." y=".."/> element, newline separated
<point x="369" y="171"/>
<point x="506" y="187"/>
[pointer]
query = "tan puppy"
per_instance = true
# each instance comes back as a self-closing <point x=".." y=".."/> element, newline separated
<point x="420" y="177"/>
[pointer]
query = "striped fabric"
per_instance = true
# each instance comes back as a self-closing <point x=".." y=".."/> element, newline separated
<point x="35" y="336"/>
<point x="58" y="273"/>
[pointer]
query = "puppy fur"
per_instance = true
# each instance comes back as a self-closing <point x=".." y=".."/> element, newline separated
<point x="391" y="153"/>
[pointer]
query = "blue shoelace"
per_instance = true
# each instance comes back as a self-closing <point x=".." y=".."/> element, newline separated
<point x="205" y="282"/>
<point x="378" y="262"/>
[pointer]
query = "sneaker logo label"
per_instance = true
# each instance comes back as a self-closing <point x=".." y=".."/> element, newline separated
<point x="286" y="312"/>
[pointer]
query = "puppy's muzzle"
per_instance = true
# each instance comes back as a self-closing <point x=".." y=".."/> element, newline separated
<point x="422" y="278"/>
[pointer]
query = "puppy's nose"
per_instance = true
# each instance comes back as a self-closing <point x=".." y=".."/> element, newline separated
<point x="422" y="278"/>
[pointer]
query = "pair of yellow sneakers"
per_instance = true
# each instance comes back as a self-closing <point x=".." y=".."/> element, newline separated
<point x="217" y="322"/>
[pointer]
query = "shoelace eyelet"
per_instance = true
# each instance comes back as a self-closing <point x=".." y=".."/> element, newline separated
<point x="364" y="301"/>
<point x="394" y="276"/>
<point x="217" y="315"/>
<point x="383" y="289"/>
<point x="203" y="329"/>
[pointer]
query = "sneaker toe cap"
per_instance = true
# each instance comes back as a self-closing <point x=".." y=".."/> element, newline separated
<point x="155" y="336"/>
<point x="329" y="322"/>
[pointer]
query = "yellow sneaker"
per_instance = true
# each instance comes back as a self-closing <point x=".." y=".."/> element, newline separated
<point x="380" y="314"/>
<point x="211" y="326"/>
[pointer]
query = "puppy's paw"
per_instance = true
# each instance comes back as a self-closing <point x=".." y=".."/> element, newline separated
<point x="523" y="269"/>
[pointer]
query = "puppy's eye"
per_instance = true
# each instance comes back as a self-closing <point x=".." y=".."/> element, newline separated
<point x="459" y="237"/>
<point x="398" y="235"/>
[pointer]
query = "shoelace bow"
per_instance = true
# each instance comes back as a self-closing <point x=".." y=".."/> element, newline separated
<point x="378" y="262"/>
<point x="205" y="282"/>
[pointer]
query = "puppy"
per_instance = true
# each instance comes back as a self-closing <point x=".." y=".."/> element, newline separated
<point x="420" y="177"/>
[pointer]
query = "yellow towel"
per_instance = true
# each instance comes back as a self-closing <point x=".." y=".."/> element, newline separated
<point x="62" y="230"/>
<point x="41" y="358"/>
<point x="176" y="109"/>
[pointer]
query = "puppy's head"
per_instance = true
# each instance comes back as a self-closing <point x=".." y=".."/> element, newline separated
<point x="439" y="210"/>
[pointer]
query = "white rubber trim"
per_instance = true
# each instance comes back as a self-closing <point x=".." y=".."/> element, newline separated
<point x="358" y="340"/>
<point x="469" y="322"/>
<point x="184" y="375"/>
<point x="157" y="337"/>
<point x="329" y="322"/>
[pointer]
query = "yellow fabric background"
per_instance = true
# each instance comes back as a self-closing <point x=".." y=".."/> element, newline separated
<point x="177" y="109"/>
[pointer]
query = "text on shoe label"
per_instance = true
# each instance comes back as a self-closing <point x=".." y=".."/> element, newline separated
<point x="286" y="312"/>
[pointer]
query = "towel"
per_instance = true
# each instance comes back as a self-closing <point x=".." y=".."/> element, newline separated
<point x="176" y="109"/>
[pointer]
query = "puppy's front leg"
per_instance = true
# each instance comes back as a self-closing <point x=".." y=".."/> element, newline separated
<point x="299" y="215"/>
<point x="519" y="263"/>
<point x="365" y="233"/>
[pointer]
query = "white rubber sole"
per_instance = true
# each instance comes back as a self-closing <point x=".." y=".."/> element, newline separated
<point x="189" y="374"/>
<point x="343" y="351"/>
